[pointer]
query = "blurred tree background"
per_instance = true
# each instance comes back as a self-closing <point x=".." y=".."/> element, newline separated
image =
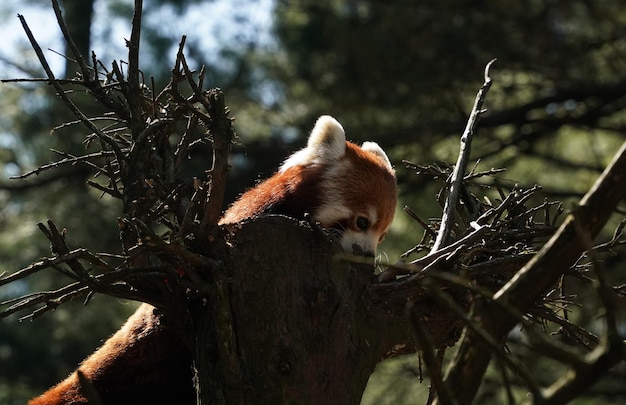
<point x="403" y="74"/>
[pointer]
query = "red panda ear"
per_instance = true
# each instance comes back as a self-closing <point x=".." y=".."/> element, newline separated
<point x="327" y="143"/>
<point x="372" y="147"/>
<point x="327" y="139"/>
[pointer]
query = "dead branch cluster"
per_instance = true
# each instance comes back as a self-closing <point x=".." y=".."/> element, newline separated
<point x="493" y="239"/>
<point x="514" y="262"/>
<point x="142" y="142"/>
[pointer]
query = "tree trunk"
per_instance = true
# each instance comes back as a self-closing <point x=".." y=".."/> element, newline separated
<point x="291" y="324"/>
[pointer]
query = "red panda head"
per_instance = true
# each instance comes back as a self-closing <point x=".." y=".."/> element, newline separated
<point x="345" y="187"/>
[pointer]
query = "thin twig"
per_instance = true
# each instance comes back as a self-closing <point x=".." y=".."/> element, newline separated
<point x="447" y="220"/>
<point x="133" y="92"/>
<point x="86" y="73"/>
<point x="61" y="93"/>
<point x="425" y="346"/>
<point x="491" y="343"/>
<point x="420" y="221"/>
<point x="538" y="275"/>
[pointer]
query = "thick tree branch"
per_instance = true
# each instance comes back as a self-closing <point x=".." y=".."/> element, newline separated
<point x="538" y="275"/>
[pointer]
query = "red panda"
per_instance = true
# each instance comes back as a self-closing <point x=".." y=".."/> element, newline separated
<point x="344" y="187"/>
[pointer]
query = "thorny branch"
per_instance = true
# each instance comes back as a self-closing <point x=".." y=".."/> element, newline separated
<point x="93" y="273"/>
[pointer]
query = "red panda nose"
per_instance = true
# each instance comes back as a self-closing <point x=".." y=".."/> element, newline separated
<point x="358" y="250"/>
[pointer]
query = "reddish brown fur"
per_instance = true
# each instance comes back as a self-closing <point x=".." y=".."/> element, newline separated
<point x="369" y="184"/>
<point x="292" y="193"/>
<point x="142" y="363"/>
<point x="145" y="362"/>
<point x="296" y="191"/>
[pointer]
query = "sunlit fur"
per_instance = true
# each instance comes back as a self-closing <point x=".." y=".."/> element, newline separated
<point x="335" y="181"/>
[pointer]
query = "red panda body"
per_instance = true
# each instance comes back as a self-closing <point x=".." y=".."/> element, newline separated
<point x="343" y="186"/>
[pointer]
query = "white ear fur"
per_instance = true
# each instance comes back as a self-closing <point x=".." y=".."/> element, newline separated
<point x="326" y="143"/>
<point x="372" y="147"/>
<point x="328" y="138"/>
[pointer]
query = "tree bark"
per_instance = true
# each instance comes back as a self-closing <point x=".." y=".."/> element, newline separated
<point x="291" y="324"/>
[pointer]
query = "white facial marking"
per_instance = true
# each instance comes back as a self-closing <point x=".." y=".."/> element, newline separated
<point x="330" y="214"/>
<point x="366" y="242"/>
<point x="372" y="216"/>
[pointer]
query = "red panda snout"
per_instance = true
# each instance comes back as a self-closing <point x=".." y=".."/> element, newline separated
<point x="360" y="233"/>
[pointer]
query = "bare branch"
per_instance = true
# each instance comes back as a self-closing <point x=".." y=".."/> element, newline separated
<point x="133" y="91"/>
<point x="61" y="93"/>
<point x="425" y="345"/>
<point x="536" y="277"/>
<point x="86" y="73"/>
<point x="447" y="220"/>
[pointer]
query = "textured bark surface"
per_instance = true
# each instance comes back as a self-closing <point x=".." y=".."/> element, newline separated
<point x="292" y="324"/>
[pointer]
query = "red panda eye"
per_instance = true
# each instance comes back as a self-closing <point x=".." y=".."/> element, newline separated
<point x="362" y="223"/>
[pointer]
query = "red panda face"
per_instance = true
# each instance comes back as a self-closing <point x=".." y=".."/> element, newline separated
<point x="357" y="186"/>
<point x="358" y="199"/>
<point x="345" y="187"/>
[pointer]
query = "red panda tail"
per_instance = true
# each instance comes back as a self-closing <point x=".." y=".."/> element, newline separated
<point x="65" y="393"/>
<point x="142" y="363"/>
